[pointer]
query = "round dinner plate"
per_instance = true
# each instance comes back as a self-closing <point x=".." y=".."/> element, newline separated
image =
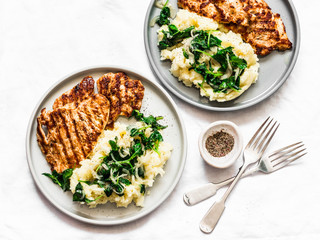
<point x="156" y="102"/>
<point x="274" y="68"/>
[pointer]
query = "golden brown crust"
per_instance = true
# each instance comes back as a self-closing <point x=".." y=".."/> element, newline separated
<point x="203" y="7"/>
<point x="69" y="132"/>
<point x="81" y="91"/>
<point x="253" y="19"/>
<point x="123" y="93"/>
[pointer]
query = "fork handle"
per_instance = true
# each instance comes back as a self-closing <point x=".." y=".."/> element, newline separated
<point x="207" y="190"/>
<point x="210" y="220"/>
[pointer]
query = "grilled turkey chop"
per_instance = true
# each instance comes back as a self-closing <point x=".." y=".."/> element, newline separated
<point x="69" y="132"/>
<point x="123" y="93"/>
<point x="253" y="19"/>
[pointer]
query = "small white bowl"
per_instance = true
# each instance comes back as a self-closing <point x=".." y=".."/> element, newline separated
<point x="233" y="155"/>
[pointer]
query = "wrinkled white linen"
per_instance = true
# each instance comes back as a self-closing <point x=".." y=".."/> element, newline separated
<point x="42" y="41"/>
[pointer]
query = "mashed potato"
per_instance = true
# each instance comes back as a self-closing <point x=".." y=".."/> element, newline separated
<point x="152" y="162"/>
<point x="180" y="65"/>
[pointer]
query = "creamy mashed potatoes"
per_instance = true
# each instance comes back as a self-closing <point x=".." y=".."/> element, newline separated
<point x="152" y="162"/>
<point x="180" y="64"/>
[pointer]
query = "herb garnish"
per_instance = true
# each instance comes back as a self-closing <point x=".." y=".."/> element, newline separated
<point x="62" y="179"/>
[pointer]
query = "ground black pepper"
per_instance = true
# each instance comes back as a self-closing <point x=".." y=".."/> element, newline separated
<point x="220" y="144"/>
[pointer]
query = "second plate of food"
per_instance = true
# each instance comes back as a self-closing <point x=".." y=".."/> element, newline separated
<point x="273" y="71"/>
<point x="156" y="102"/>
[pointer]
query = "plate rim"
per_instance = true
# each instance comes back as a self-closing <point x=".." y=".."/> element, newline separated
<point x="255" y="100"/>
<point x="129" y="71"/>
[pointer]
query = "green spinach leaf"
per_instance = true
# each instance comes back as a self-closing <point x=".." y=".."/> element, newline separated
<point x="79" y="195"/>
<point x="141" y="172"/>
<point x="174" y="36"/>
<point x="108" y="191"/>
<point x="150" y="120"/>
<point x="237" y="62"/>
<point x="62" y="179"/>
<point x="185" y="54"/>
<point x="142" y="189"/>
<point x="164" y="18"/>
<point x="203" y="40"/>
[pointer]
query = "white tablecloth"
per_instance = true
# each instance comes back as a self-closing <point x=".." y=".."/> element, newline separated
<point x="42" y="41"/>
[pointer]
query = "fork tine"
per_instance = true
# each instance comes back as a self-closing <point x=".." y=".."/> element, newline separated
<point x="257" y="132"/>
<point x="284" y="148"/>
<point x="285" y="163"/>
<point x="264" y="147"/>
<point x="284" y="154"/>
<point x="286" y="157"/>
<point x="261" y="134"/>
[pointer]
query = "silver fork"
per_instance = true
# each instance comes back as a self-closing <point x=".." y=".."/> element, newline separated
<point x="252" y="153"/>
<point x="267" y="164"/>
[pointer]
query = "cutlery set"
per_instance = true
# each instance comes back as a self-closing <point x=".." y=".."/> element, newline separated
<point x="253" y="154"/>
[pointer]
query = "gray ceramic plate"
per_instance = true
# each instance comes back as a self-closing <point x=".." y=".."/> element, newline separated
<point x="274" y="68"/>
<point x="156" y="102"/>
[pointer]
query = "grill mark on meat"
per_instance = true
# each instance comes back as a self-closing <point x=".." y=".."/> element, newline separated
<point x="68" y="141"/>
<point x="96" y="112"/>
<point x="86" y="133"/>
<point x="126" y="86"/>
<point x="70" y="135"/>
<point x="90" y="113"/>
<point x="79" y="129"/>
<point x="203" y="5"/>
<point x="89" y="117"/>
<point x="90" y="123"/>
<point x="78" y="139"/>
<point x="118" y="91"/>
<point x="117" y="94"/>
<point x="63" y="138"/>
<point x="91" y="132"/>
<point x="58" y="147"/>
